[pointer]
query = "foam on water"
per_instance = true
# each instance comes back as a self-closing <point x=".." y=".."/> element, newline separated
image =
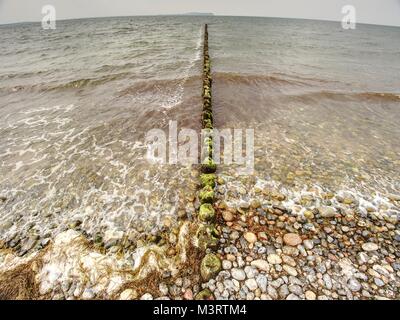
<point x="379" y="205"/>
<point x="178" y="96"/>
<point x="55" y="173"/>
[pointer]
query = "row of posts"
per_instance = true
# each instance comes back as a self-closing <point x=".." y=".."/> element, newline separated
<point x="207" y="234"/>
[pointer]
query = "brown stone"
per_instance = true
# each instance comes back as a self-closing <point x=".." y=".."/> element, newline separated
<point x="228" y="216"/>
<point x="292" y="239"/>
<point x="188" y="295"/>
<point x="250" y="237"/>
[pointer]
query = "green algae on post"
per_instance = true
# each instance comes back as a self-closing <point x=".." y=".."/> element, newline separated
<point x="210" y="266"/>
<point x="207" y="195"/>
<point x="206" y="212"/>
<point x="205" y="294"/>
<point x="207" y="236"/>
<point x="208" y="179"/>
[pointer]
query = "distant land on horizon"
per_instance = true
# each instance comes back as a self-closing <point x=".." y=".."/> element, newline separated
<point x="198" y="14"/>
<point x="201" y="14"/>
<point x="188" y="14"/>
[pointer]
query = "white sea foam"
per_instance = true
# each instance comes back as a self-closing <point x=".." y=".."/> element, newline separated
<point x="67" y="169"/>
<point x="176" y="99"/>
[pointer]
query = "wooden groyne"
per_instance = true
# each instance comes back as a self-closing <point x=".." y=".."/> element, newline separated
<point x="207" y="234"/>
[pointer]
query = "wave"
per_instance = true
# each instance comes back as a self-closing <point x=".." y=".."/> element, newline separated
<point x="74" y="84"/>
<point x="117" y="67"/>
<point x="8" y="76"/>
<point x="81" y="83"/>
<point x="151" y="85"/>
<point x="353" y="95"/>
<point x="305" y="88"/>
<point x="137" y="87"/>
<point x="276" y="78"/>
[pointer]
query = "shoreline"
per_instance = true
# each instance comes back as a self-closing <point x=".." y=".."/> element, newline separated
<point x="268" y="250"/>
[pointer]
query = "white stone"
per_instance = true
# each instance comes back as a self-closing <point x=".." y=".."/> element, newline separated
<point x="250" y="271"/>
<point x="290" y="270"/>
<point x="163" y="289"/>
<point x="327" y="212"/>
<point x="309" y="244"/>
<point x="310" y="295"/>
<point x="274" y="259"/>
<point x="261" y="265"/>
<point x="370" y="246"/>
<point x="88" y="294"/>
<point x="128" y="294"/>
<point x="238" y="274"/>
<point x="226" y="264"/>
<point x="146" y="296"/>
<point x="262" y="282"/>
<point x="251" y="284"/>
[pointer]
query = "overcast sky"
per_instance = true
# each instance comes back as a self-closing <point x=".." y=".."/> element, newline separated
<point x="385" y="12"/>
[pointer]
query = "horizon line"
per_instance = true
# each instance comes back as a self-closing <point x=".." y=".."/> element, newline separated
<point x="196" y="14"/>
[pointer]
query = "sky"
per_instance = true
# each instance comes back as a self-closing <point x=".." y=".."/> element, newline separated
<point x="385" y="12"/>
